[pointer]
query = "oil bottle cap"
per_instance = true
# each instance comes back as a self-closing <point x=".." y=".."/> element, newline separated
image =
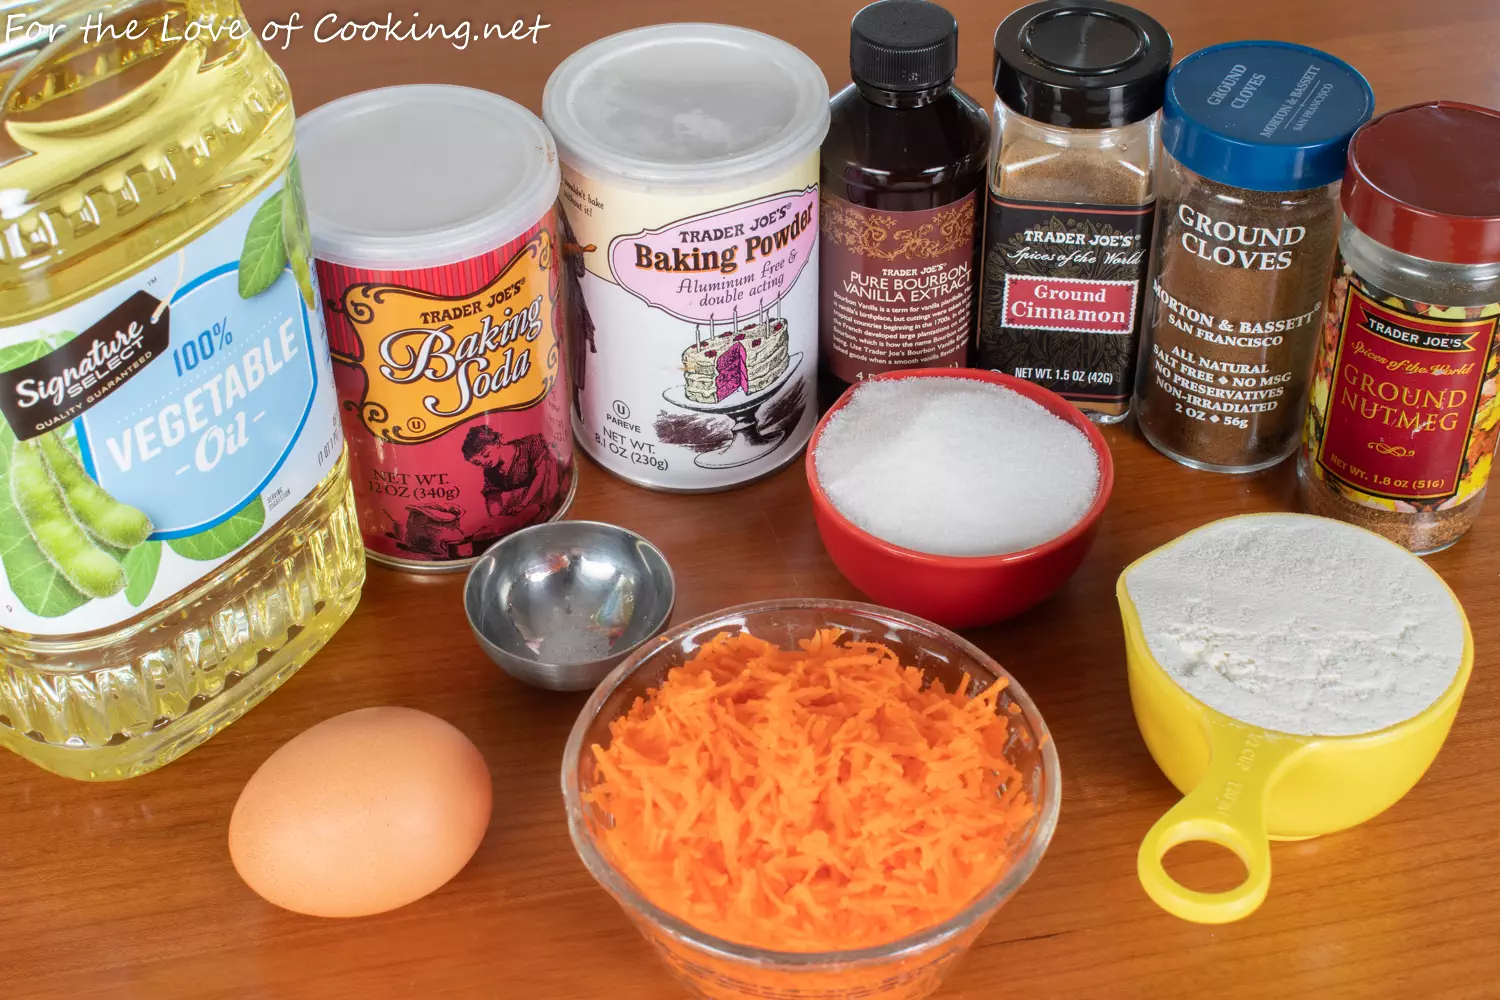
<point x="1090" y="64"/>
<point x="903" y="45"/>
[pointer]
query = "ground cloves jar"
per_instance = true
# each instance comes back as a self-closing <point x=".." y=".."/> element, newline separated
<point x="1401" y="428"/>
<point x="1254" y="138"/>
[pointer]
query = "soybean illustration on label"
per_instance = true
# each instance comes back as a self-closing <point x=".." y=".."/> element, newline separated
<point x="142" y="430"/>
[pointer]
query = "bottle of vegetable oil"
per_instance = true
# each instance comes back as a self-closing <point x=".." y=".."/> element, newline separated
<point x="177" y="532"/>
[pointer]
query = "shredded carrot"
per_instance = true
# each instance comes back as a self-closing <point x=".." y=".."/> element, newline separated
<point x="809" y="800"/>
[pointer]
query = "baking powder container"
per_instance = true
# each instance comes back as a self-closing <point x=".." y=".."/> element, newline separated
<point x="436" y="234"/>
<point x="690" y="189"/>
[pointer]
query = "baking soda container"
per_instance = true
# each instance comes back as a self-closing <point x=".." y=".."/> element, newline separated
<point x="176" y="531"/>
<point x="690" y="183"/>
<point x="435" y="229"/>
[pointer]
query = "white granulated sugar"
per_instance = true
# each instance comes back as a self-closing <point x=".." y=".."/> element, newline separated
<point x="955" y="467"/>
<point x="1299" y="624"/>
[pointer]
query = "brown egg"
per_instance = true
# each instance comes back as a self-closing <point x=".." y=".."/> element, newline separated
<point x="362" y="813"/>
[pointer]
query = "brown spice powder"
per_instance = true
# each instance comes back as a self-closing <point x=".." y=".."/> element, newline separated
<point x="1039" y="171"/>
<point x="1029" y="170"/>
<point x="1219" y="386"/>
<point x="1424" y="532"/>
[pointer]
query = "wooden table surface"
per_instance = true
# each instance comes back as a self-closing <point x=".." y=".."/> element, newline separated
<point x="126" y="890"/>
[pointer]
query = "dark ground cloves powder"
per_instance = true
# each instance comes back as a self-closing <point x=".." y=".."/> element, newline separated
<point x="1228" y="348"/>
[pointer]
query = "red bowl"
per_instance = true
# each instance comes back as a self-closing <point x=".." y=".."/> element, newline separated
<point x="961" y="591"/>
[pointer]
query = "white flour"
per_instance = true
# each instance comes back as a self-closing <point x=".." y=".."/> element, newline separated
<point x="1299" y="624"/>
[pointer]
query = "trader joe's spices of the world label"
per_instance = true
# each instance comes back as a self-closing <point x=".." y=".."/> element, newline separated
<point x="1404" y="412"/>
<point x="1061" y="302"/>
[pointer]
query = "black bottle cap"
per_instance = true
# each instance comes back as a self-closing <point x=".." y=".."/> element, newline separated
<point x="1093" y="64"/>
<point x="903" y="45"/>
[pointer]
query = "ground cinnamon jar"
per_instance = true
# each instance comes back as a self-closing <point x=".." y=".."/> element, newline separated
<point x="1401" y="428"/>
<point x="1254" y="138"/>
<point x="1072" y="192"/>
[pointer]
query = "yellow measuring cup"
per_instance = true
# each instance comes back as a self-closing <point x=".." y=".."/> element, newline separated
<point x="1244" y="786"/>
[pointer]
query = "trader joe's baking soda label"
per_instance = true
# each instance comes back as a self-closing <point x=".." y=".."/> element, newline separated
<point x="694" y="328"/>
<point x="454" y="398"/>
<point x="151" y="432"/>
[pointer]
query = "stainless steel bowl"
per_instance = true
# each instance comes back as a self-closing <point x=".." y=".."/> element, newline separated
<point x="558" y="605"/>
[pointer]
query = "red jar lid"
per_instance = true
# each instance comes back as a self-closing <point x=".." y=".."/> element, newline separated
<point x="1425" y="180"/>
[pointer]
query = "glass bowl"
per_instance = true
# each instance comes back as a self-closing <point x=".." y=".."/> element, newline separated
<point x="905" y="969"/>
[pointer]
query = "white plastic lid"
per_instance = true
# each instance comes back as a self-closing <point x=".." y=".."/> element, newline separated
<point x="701" y="106"/>
<point x="410" y="177"/>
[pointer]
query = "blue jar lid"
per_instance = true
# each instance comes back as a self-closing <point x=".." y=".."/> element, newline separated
<point x="1268" y="116"/>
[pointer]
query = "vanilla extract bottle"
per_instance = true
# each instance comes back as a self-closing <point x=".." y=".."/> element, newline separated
<point x="902" y="178"/>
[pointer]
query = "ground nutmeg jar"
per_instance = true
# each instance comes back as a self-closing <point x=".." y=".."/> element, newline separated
<point x="1401" y="428"/>
<point x="1071" y="198"/>
<point x="1254" y="138"/>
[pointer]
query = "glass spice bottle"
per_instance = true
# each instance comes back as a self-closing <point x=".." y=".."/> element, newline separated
<point x="1401" y="427"/>
<point x="902" y="168"/>
<point x="1071" y="198"/>
<point x="1254" y="137"/>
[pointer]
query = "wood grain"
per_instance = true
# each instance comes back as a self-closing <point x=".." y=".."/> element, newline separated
<point x="126" y="890"/>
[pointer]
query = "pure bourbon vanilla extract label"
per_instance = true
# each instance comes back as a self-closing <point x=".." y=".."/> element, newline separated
<point x="1404" y="410"/>
<point x="1061" y="298"/>
<point x="898" y="287"/>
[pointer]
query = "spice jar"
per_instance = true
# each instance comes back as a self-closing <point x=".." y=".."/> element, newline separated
<point x="1254" y="137"/>
<point x="1071" y="198"/>
<point x="1401" y="428"/>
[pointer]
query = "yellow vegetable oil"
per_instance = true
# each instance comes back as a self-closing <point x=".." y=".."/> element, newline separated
<point x="177" y="532"/>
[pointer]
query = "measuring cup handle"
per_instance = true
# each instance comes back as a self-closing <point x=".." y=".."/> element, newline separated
<point x="1226" y="808"/>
